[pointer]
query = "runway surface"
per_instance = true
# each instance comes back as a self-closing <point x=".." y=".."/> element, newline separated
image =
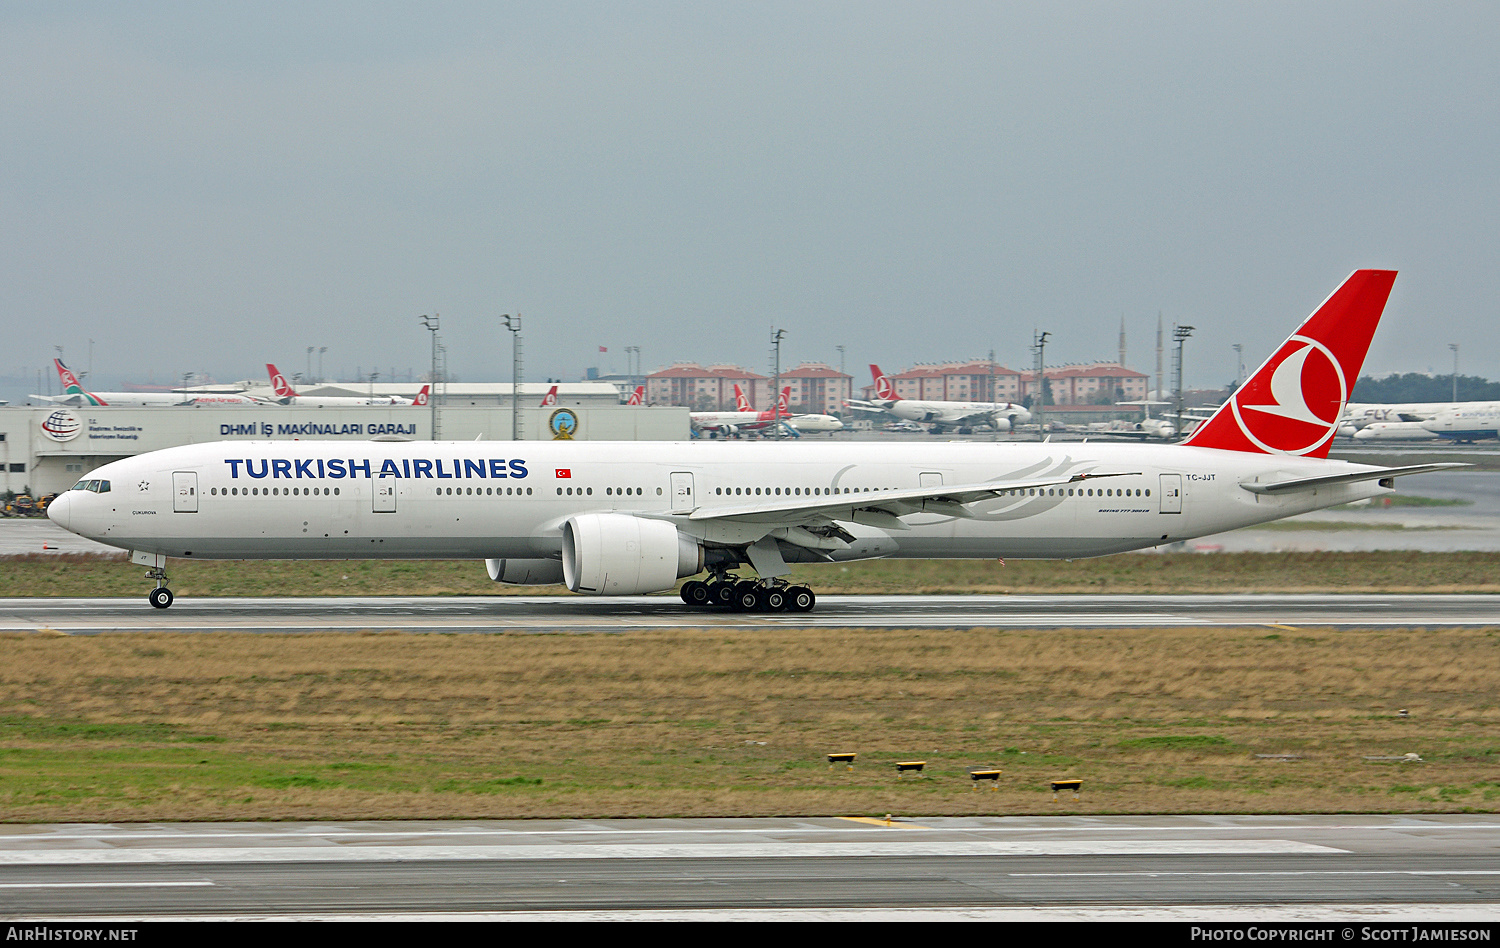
<point x="480" y="614"/>
<point x="1379" y="867"/>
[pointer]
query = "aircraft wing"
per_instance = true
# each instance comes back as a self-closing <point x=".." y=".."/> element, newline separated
<point x="1328" y="480"/>
<point x="950" y="500"/>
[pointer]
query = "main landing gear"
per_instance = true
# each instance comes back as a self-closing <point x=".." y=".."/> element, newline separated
<point x="747" y="595"/>
<point x="161" y="596"/>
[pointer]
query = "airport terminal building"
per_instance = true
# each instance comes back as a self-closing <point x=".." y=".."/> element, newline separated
<point x="48" y="449"/>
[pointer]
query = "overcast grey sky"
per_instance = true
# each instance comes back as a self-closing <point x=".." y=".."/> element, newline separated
<point x="211" y="186"/>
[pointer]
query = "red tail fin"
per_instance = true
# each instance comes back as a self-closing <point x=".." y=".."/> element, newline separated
<point x="1293" y="402"/>
<point x="784" y="401"/>
<point x="884" y="388"/>
<point x="279" y="383"/>
<point x="423" y="396"/>
<point x="637" y="397"/>
<point x="550" y="399"/>
<point x="741" y="403"/>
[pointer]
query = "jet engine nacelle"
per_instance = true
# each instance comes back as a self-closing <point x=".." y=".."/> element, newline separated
<point x="621" y="555"/>
<point x="526" y="572"/>
<point x="1002" y="423"/>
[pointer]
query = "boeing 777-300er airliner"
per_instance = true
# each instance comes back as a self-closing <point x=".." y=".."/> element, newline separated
<point x="626" y="518"/>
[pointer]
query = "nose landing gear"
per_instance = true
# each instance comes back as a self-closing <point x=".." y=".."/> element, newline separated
<point x="161" y="596"/>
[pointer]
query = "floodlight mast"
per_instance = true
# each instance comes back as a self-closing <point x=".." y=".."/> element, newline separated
<point x="1180" y="334"/>
<point x="431" y="324"/>
<point x="513" y="325"/>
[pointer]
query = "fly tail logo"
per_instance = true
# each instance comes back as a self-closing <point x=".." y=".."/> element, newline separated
<point x="741" y="403"/>
<point x="1292" y="404"/>
<point x="550" y="398"/>
<point x="883" y="387"/>
<point x="423" y="396"/>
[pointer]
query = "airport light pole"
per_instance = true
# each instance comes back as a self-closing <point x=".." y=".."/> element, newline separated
<point x="1180" y="334"/>
<point x="321" y="350"/>
<point x="776" y="336"/>
<point x="1239" y="365"/>
<point x="309" y="374"/>
<point x="1454" y="347"/>
<point x="431" y="323"/>
<point x="1039" y="346"/>
<point x="634" y="375"/>
<point x="512" y="325"/>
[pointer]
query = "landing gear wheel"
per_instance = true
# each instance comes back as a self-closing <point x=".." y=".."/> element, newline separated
<point x="800" y="599"/>
<point x="746" y="597"/>
<point x="721" y="595"/>
<point x="161" y="597"/>
<point x="696" y="593"/>
<point x="770" y="599"/>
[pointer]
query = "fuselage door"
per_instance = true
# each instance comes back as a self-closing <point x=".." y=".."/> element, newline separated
<point x="385" y="495"/>
<point x="682" y="492"/>
<point x="1171" y="493"/>
<point x="184" y="492"/>
<point x="930" y="479"/>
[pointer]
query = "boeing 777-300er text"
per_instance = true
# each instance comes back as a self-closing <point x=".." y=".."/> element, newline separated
<point x="76" y="395"/>
<point x="1002" y="416"/>
<point x="623" y="518"/>
<point x="286" y="395"/>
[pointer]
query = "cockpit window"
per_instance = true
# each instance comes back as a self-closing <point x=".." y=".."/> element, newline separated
<point x="95" y="485"/>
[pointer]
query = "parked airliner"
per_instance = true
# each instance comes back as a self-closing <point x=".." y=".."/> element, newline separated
<point x="1002" y="416"/>
<point x="628" y="518"/>
<point x="76" y="395"/>
<point x="286" y="395"/>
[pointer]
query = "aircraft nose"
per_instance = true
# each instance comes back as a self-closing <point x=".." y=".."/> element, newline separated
<point x="57" y="511"/>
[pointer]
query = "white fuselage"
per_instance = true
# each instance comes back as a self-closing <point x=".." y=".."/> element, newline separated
<point x="1471" y="421"/>
<point x="325" y="500"/>
<point x="1395" y="431"/>
<point x="341" y="401"/>
<point x="149" y="399"/>
<point x="815" y="423"/>
<point x="1002" y="415"/>
<point x="1362" y="415"/>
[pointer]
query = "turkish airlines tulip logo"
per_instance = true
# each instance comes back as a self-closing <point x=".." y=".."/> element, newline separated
<point x="884" y="388"/>
<point x="1292" y="405"/>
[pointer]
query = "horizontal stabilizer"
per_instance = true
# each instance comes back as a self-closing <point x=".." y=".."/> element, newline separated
<point x="1328" y="480"/>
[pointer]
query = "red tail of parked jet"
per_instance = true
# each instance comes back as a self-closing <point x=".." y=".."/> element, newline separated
<point x="279" y="384"/>
<point x="637" y="397"/>
<point x="424" y="396"/>
<point x="741" y="403"/>
<point x="884" y="389"/>
<point x="783" y="401"/>
<point x="550" y="399"/>
<point x="71" y="385"/>
<point x="1293" y="402"/>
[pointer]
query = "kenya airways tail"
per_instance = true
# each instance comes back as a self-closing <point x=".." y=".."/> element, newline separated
<point x="741" y="403"/>
<point x="550" y="399"/>
<point x="279" y="384"/>
<point x="1292" y="404"/>
<point x="71" y="385"/>
<point x="884" y="389"/>
<point x="424" y="396"/>
<point x="637" y="397"/>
